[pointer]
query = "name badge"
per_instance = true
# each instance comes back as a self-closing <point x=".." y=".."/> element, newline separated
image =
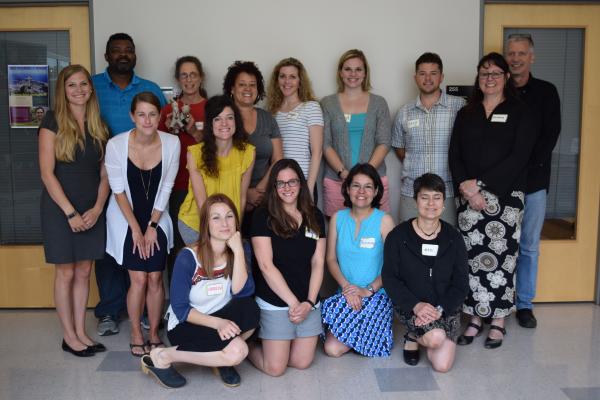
<point x="413" y="123"/>
<point x="429" y="250"/>
<point x="214" y="289"/>
<point x="199" y="125"/>
<point x="311" y="234"/>
<point x="292" y="115"/>
<point x="367" y="243"/>
<point x="499" y="117"/>
<point x="348" y="117"/>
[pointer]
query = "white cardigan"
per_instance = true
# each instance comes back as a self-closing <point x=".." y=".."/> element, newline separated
<point x="115" y="161"/>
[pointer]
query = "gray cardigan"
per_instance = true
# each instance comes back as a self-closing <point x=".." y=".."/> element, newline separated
<point x="378" y="130"/>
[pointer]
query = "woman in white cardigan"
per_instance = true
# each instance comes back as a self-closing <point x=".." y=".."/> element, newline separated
<point x="141" y="166"/>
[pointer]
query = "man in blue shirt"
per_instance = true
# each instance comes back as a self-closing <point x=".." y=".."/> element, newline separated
<point x="115" y="88"/>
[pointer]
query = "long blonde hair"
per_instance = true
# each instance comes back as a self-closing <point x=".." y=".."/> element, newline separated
<point x="274" y="95"/>
<point x="69" y="135"/>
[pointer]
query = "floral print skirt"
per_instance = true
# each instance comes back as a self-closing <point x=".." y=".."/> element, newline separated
<point x="492" y="239"/>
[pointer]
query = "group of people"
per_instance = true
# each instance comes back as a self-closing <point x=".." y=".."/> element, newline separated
<point x="224" y="194"/>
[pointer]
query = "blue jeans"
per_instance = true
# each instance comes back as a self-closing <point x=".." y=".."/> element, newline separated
<point x="113" y="283"/>
<point x="529" y="247"/>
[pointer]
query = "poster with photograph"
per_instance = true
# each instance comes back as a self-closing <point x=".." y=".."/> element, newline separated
<point x="28" y="96"/>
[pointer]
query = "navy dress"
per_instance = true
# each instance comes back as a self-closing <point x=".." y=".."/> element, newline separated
<point x="143" y="185"/>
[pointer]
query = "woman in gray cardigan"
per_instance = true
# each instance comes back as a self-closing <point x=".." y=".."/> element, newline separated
<point x="357" y="129"/>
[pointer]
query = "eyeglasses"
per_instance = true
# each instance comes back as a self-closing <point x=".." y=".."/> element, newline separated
<point x="494" y="75"/>
<point x="366" y="187"/>
<point x="291" y="183"/>
<point x="191" y="76"/>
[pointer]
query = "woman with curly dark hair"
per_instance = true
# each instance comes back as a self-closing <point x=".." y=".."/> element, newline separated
<point x="288" y="238"/>
<point x="222" y="163"/>
<point x="245" y="84"/>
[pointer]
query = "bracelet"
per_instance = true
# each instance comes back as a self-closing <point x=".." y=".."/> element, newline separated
<point x="339" y="173"/>
<point x="73" y="214"/>
<point x="312" y="305"/>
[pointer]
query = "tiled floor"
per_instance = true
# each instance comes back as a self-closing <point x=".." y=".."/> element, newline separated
<point x="558" y="360"/>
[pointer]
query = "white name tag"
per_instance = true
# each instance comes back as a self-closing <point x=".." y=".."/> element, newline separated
<point x="348" y="117"/>
<point x="429" y="250"/>
<point x="413" y="123"/>
<point x="311" y="234"/>
<point x="367" y="243"/>
<point x="199" y="125"/>
<point x="214" y="289"/>
<point x="292" y="115"/>
<point x="499" y="117"/>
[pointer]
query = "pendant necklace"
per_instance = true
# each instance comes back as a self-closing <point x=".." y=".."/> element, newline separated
<point x="425" y="233"/>
<point x="147" y="189"/>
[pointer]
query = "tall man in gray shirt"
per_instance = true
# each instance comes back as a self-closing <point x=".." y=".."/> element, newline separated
<point x="421" y="135"/>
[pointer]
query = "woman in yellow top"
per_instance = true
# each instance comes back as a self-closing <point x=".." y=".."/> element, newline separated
<point x="222" y="163"/>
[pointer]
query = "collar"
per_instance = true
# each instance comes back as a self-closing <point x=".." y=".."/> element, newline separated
<point x="134" y="79"/>
<point x="442" y="101"/>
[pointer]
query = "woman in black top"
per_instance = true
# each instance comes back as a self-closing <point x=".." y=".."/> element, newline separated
<point x="425" y="275"/>
<point x="491" y="143"/>
<point x="288" y="238"/>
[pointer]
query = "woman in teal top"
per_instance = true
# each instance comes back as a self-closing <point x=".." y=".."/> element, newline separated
<point x="359" y="316"/>
<point x="357" y="129"/>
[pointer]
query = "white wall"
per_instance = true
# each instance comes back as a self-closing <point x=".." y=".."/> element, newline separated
<point x="392" y="33"/>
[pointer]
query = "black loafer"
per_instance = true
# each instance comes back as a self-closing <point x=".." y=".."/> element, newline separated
<point x="87" y="352"/>
<point x="494" y="343"/>
<point x="228" y="375"/>
<point x="526" y="318"/>
<point x="464" y="340"/>
<point x="97" y="347"/>
<point x="167" y="377"/>
<point x="411" y="357"/>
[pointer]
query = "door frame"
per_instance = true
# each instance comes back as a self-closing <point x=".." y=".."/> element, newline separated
<point x="25" y="279"/>
<point x="568" y="268"/>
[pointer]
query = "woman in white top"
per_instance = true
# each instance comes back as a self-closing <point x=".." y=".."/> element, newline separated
<point x="141" y="166"/>
<point x="211" y="313"/>
<point x="299" y="116"/>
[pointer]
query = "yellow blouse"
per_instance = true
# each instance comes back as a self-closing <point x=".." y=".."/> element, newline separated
<point x="229" y="182"/>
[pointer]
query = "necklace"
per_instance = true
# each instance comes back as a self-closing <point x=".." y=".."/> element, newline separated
<point x="425" y="233"/>
<point x="147" y="189"/>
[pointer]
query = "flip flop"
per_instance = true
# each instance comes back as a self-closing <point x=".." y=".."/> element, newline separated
<point x="134" y="346"/>
<point x="154" y="345"/>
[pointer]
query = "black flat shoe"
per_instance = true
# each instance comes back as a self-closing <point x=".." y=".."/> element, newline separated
<point x="87" y="352"/>
<point x="411" y="357"/>
<point x="464" y="340"/>
<point x="228" y="375"/>
<point x="97" y="347"/>
<point x="494" y="343"/>
<point x="167" y="377"/>
<point x="526" y="318"/>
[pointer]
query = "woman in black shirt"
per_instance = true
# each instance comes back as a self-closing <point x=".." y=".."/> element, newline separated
<point x="288" y="238"/>
<point x="491" y="143"/>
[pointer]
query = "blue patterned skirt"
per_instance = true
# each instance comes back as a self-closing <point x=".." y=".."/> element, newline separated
<point x="368" y="331"/>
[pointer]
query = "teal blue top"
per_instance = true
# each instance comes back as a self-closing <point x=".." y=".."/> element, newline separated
<point x="360" y="257"/>
<point x="356" y="127"/>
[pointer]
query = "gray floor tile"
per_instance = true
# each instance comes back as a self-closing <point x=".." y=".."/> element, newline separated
<point x="119" y="361"/>
<point x="416" y="379"/>
<point x="587" y="393"/>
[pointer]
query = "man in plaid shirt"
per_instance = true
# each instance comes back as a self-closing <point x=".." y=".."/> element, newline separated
<point x="421" y="135"/>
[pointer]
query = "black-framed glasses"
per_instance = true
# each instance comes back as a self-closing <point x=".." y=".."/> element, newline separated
<point x="291" y="183"/>
<point x="494" y="75"/>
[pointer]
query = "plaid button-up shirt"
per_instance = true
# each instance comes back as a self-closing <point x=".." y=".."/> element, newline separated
<point x="425" y="136"/>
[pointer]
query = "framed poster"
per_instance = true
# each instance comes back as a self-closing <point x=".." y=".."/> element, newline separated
<point x="28" y="93"/>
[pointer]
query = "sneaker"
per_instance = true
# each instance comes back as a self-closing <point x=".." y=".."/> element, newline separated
<point x="107" y="326"/>
<point x="145" y="323"/>
<point x="228" y="375"/>
<point x="526" y="318"/>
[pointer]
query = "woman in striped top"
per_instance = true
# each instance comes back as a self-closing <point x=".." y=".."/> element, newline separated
<point x="299" y="116"/>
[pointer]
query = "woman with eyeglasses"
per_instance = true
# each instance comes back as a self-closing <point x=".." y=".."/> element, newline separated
<point x="357" y="129"/>
<point x="222" y="163"/>
<point x="288" y="238"/>
<point x="491" y="142"/>
<point x="359" y="316"/>
<point x="190" y="77"/>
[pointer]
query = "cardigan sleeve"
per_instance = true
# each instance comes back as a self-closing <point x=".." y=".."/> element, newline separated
<point x="455" y="162"/>
<point x="383" y="129"/>
<point x="114" y="169"/>
<point x="458" y="288"/>
<point x="168" y="180"/>
<point x="181" y="284"/>
<point x="327" y="137"/>
<point x="393" y="283"/>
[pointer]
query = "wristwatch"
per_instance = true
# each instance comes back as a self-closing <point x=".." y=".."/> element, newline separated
<point x="480" y="183"/>
<point x="371" y="289"/>
<point x="153" y="224"/>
